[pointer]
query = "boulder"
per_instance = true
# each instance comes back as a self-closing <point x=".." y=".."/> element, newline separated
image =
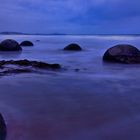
<point x="26" y="43"/>
<point x="122" y="53"/>
<point x="73" y="47"/>
<point x="3" y="130"/>
<point x="10" y="45"/>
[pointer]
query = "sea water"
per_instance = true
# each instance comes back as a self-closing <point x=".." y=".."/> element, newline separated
<point x="100" y="101"/>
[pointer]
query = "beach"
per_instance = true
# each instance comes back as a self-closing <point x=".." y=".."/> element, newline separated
<point x="86" y="99"/>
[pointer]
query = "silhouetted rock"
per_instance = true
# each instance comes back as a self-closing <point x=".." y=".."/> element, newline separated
<point x="122" y="53"/>
<point x="73" y="47"/>
<point x="35" y="64"/>
<point x="25" y="66"/>
<point x="10" y="45"/>
<point x="3" y="130"/>
<point x="55" y="66"/>
<point x="26" y="43"/>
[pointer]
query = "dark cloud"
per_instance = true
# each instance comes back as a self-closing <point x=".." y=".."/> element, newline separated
<point x="70" y="16"/>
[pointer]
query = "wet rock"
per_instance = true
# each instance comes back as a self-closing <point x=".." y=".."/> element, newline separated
<point x="35" y="64"/>
<point x="122" y="53"/>
<point x="3" y="130"/>
<point x="24" y="62"/>
<point x="25" y="66"/>
<point x="55" y="66"/>
<point x="10" y="45"/>
<point x="15" y="70"/>
<point x="73" y="47"/>
<point x="26" y="43"/>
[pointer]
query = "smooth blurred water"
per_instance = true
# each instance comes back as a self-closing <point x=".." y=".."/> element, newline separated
<point x="101" y="101"/>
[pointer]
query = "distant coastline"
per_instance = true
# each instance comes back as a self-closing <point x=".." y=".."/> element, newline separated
<point x="20" y="33"/>
<point x="45" y="34"/>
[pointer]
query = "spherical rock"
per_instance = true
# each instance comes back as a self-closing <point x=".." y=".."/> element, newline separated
<point x="73" y="47"/>
<point x="3" y="130"/>
<point x="26" y="43"/>
<point x="122" y="53"/>
<point x="10" y="45"/>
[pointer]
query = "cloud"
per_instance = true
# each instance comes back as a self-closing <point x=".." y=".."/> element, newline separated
<point x="70" y="16"/>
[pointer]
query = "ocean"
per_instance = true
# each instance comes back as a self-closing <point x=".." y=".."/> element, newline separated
<point x="87" y="100"/>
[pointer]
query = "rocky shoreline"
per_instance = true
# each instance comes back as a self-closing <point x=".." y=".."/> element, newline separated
<point x="24" y="66"/>
<point x="122" y="53"/>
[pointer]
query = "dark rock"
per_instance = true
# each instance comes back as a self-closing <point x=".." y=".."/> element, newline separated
<point x="55" y="66"/>
<point x="26" y="43"/>
<point x="10" y="45"/>
<point x="15" y="70"/>
<point x="20" y="62"/>
<point x="41" y="65"/>
<point x="24" y="66"/>
<point x="73" y="47"/>
<point x="3" y="130"/>
<point x="35" y="64"/>
<point x="122" y="53"/>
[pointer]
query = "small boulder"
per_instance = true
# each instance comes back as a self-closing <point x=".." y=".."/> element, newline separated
<point x="3" y="130"/>
<point x="10" y="45"/>
<point x="122" y="53"/>
<point x="26" y="43"/>
<point x="73" y="47"/>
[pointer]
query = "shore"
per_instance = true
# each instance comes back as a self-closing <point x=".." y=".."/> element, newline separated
<point x="98" y="101"/>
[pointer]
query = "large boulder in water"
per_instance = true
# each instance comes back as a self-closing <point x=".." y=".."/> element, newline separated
<point x="122" y="53"/>
<point x="73" y="47"/>
<point x="26" y="43"/>
<point x="10" y="45"/>
<point x="3" y="130"/>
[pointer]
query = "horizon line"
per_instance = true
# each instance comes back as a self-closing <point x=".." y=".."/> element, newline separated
<point x="21" y="33"/>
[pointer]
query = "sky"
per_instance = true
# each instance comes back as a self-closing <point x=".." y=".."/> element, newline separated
<point x="70" y="16"/>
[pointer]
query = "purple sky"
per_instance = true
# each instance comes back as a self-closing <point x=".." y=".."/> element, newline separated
<point x="71" y="16"/>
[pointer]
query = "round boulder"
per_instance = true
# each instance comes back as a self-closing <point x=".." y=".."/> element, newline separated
<point x="26" y="43"/>
<point x="73" y="47"/>
<point x="10" y="45"/>
<point x="122" y="53"/>
<point x="3" y="130"/>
